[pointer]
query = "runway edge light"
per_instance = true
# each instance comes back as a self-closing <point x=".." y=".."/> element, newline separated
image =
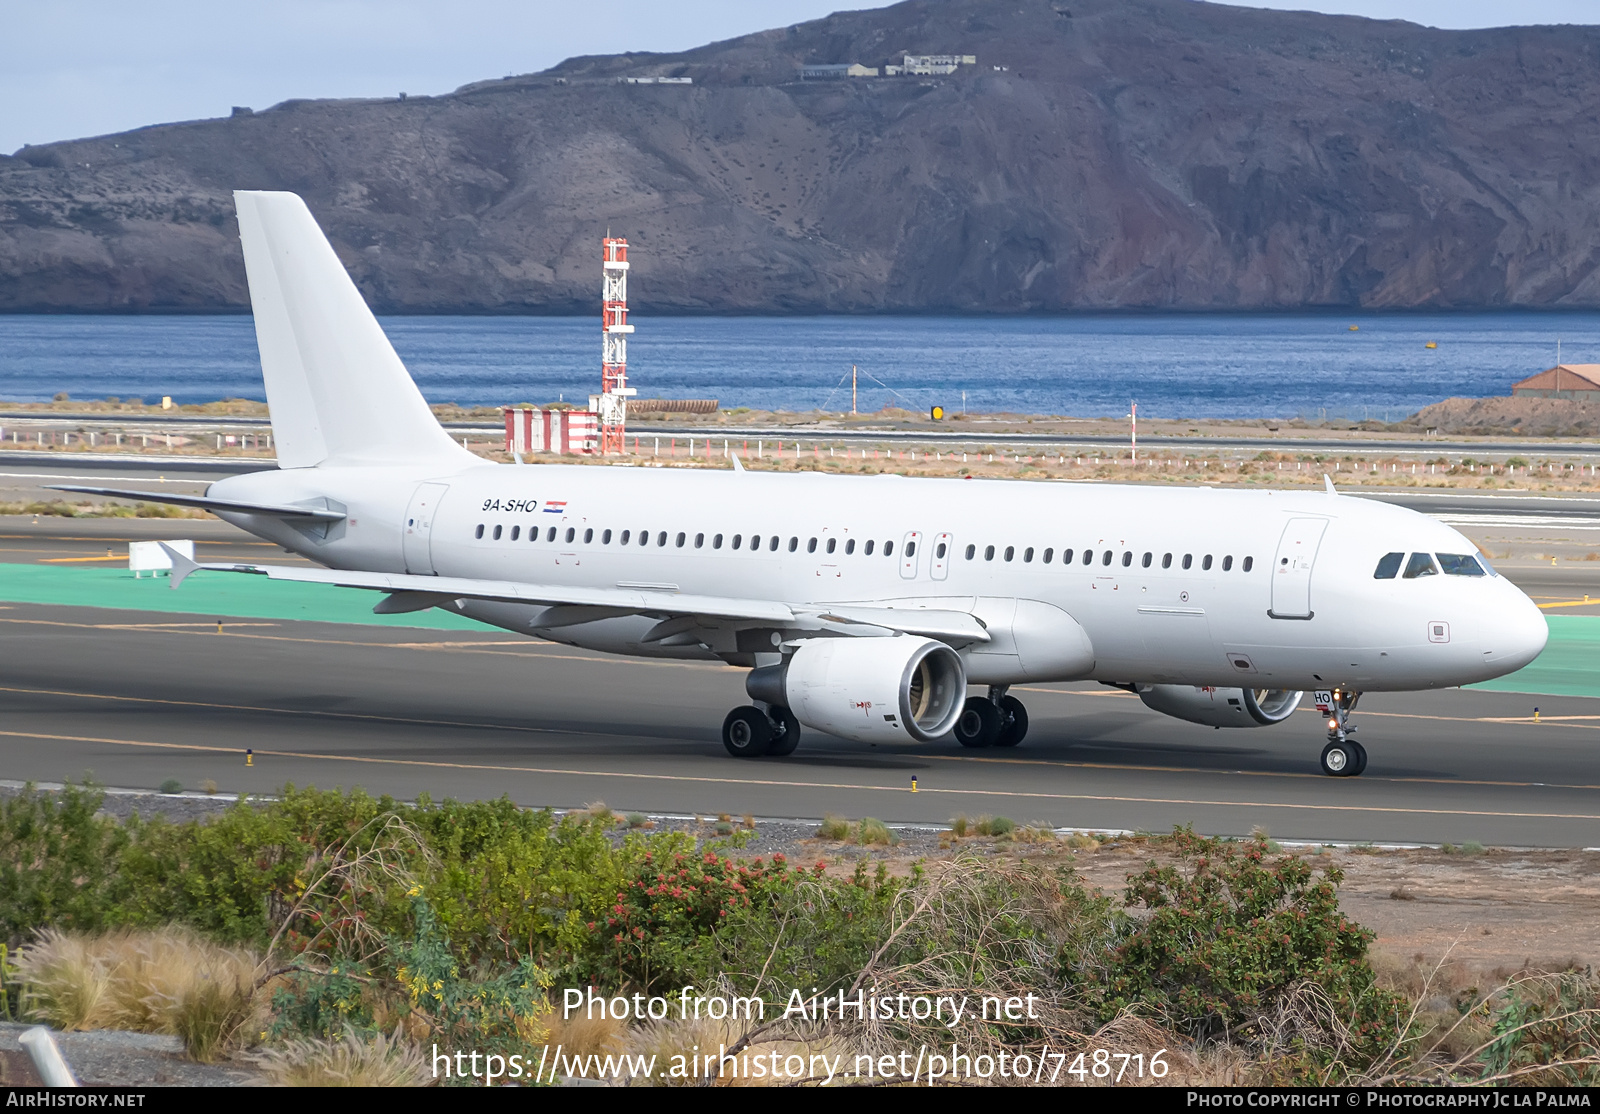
<point x="249" y="757"/>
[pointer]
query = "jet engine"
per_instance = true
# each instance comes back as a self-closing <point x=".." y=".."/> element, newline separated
<point x="1216" y="707"/>
<point x="868" y="689"/>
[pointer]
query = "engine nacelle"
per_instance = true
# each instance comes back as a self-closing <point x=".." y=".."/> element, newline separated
<point x="869" y="689"/>
<point x="1216" y="707"/>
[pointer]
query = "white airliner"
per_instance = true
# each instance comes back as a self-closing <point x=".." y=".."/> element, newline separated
<point x="864" y="607"/>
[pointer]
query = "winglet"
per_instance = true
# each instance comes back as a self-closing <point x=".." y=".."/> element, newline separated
<point x="1327" y="479"/>
<point x="737" y="467"/>
<point x="516" y="456"/>
<point x="181" y="566"/>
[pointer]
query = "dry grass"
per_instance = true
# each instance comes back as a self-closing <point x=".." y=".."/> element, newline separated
<point x="348" y="1062"/>
<point x="580" y="1035"/>
<point x="704" y="1036"/>
<point x="167" y="981"/>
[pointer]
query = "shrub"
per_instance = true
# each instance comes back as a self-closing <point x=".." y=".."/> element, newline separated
<point x="59" y="861"/>
<point x="995" y="826"/>
<point x="1231" y="935"/>
<point x="172" y="785"/>
<point x="960" y="826"/>
<point x="834" y="827"/>
<point x="871" y="832"/>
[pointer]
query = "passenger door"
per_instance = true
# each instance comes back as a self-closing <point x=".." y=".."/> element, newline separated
<point x="415" y="540"/>
<point x="939" y="560"/>
<point x="1291" y="568"/>
<point x="910" y="554"/>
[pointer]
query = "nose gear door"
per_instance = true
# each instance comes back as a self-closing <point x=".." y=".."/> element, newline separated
<point x="1291" y="568"/>
<point x="419" y="528"/>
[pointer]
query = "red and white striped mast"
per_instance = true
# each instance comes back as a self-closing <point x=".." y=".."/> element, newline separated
<point x="614" y="327"/>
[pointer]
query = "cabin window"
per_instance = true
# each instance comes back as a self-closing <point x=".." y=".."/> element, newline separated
<point x="588" y="537"/>
<point x="971" y="550"/>
<point x="772" y="543"/>
<point x="1066" y="557"/>
<point x="867" y="550"/>
<point x="624" y="539"/>
<point x="716" y="542"/>
<point x="1127" y="558"/>
<point x="794" y="544"/>
<point x="571" y="533"/>
<point x="1205" y="562"/>
<point x="911" y="549"/>
<point x="699" y="540"/>
<point x="1144" y="562"/>
<point x="1227" y="563"/>
<point x="811" y="545"/>
<point x="497" y="533"/>
<point x="888" y="549"/>
<point x="1249" y="563"/>
<point x="940" y="551"/>
<point x="516" y="532"/>
<point x="1166" y="560"/>
<point x="1188" y="559"/>
<point x="1049" y="553"/>
<point x="605" y="537"/>
<point x="1460" y="564"/>
<point x="1088" y="556"/>
<point x="661" y="539"/>
<point x="644" y="537"/>
<point x="550" y="535"/>
<point x="988" y="553"/>
<point x="849" y="547"/>
<point x="1011" y="551"/>
<point x="1421" y="564"/>
<point x="479" y="532"/>
<point x="832" y="544"/>
<point x="681" y="538"/>
<point x="1105" y="558"/>
<point x="1027" y="555"/>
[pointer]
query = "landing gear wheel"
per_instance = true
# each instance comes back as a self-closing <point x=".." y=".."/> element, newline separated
<point x="1361" y="757"/>
<point x="1342" y="758"/>
<point x="783" y="742"/>
<point x="1014" y="720"/>
<point x="980" y="723"/>
<point x="747" y="732"/>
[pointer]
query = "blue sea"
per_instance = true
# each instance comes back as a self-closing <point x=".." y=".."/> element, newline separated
<point x="1179" y="366"/>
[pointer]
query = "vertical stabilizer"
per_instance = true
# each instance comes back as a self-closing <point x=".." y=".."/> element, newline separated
<point x="338" y="392"/>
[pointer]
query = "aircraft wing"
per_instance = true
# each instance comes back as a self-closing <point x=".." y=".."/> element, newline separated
<point x="408" y="592"/>
<point x="318" y="514"/>
<point x="427" y="591"/>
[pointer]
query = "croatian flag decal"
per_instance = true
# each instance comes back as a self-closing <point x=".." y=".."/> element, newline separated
<point x="556" y="507"/>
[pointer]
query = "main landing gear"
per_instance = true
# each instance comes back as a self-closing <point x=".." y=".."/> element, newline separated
<point x="750" y="732"/>
<point x="1343" y="756"/>
<point x="996" y="720"/>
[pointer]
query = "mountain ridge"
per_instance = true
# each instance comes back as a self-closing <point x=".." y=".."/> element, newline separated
<point x="1101" y="155"/>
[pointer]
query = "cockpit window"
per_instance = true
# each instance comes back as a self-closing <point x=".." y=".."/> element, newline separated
<point x="1388" y="566"/>
<point x="1460" y="564"/>
<point x="1421" y="564"/>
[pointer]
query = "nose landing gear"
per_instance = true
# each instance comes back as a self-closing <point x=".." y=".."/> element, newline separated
<point x="996" y="720"/>
<point x="1343" y="756"/>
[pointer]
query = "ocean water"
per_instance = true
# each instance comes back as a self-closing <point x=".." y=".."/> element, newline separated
<point x="1178" y="366"/>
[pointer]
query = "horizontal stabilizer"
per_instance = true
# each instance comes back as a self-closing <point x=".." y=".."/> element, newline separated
<point x="318" y="514"/>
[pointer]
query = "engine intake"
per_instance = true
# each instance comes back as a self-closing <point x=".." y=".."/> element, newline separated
<point x="1216" y="707"/>
<point x="868" y="689"/>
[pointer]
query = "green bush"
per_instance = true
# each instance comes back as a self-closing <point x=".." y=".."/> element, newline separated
<point x="58" y="861"/>
<point x="1231" y="934"/>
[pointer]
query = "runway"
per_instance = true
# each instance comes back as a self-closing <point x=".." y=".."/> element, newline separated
<point x="136" y="698"/>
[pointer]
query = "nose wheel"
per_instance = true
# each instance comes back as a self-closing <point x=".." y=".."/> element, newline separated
<point x="1343" y="756"/>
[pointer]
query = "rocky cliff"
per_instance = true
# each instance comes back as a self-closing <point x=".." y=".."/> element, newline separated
<point x="1101" y="154"/>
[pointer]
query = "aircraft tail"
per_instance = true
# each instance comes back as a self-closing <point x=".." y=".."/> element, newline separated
<point x="338" y="392"/>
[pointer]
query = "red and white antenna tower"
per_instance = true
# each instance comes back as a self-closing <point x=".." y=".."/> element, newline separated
<point x="614" y="390"/>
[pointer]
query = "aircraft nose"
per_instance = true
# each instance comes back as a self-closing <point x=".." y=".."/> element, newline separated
<point x="1519" y="635"/>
